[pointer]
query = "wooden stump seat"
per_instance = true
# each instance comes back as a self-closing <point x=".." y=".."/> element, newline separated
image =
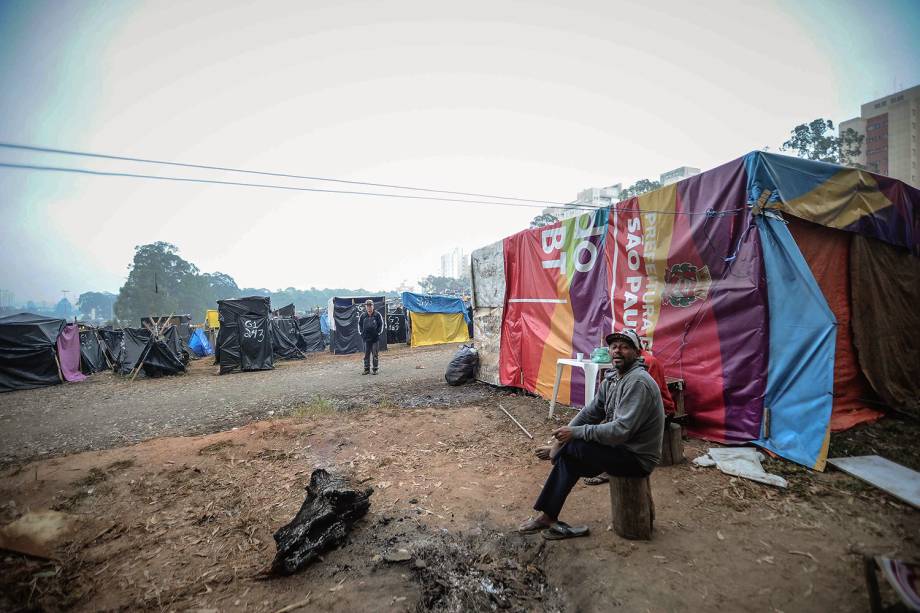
<point x="672" y="445"/>
<point x="632" y="507"/>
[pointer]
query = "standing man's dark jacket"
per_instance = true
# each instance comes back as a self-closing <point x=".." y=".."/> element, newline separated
<point x="370" y="326"/>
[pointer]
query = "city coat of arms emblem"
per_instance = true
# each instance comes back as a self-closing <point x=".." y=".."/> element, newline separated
<point x="686" y="283"/>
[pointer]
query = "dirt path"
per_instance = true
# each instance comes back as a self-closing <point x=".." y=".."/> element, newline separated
<point x="186" y="523"/>
<point x="108" y="411"/>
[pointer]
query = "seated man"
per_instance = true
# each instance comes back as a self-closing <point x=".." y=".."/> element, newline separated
<point x="655" y="369"/>
<point x="619" y="433"/>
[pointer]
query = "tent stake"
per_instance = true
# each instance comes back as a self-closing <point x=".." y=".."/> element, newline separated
<point x="516" y="422"/>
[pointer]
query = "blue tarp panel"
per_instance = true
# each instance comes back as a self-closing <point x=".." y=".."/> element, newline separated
<point x="324" y="323"/>
<point x="199" y="343"/>
<point x="426" y="303"/>
<point x="803" y="335"/>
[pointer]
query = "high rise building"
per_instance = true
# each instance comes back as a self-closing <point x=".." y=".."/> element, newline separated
<point x="678" y="174"/>
<point x="593" y="197"/>
<point x="454" y="263"/>
<point x="891" y="126"/>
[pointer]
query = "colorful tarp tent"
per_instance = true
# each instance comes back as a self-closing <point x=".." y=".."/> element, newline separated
<point x="710" y="273"/>
<point x="434" y="320"/>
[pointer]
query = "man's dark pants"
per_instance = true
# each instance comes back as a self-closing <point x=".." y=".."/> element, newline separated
<point x="578" y="459"/>
<point x="370" y="349"/>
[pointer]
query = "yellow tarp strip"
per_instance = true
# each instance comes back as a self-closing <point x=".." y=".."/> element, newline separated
<point x="437" y="328"/>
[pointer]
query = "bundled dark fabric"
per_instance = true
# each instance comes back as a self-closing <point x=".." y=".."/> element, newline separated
<point x="346" y="311"/>
<point x="310" y="334"/>
<point x="255" y="343"/>
<point x="285" y="339"/>
<point x="885" y="285"/>
<point x="285" y="311"/>
<point x="92" y="354"/>
<point x="396" y="326"/>
<point x="27" y="351"/>
<point x="228" y="351"/>
<point x="462" y="366"/>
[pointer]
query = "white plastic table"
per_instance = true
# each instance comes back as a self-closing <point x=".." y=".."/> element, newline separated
<point x="590" y="369"/>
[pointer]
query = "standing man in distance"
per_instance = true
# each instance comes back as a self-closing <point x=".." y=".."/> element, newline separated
<point x="371" y="326"/>
<point x="619" y="433"/>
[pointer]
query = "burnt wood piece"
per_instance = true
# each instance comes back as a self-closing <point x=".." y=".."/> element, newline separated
<point x="632" y="507"/>
<point x="326" y="516"/>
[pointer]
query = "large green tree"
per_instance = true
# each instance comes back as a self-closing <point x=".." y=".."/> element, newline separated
<point x="447" y="286"/>
<point x="543" y="219"/>
<point x="817" y="140"/>
<point x="102" y="302"/>
<point x="161" y="282"/>
<point x="639" y="187"/>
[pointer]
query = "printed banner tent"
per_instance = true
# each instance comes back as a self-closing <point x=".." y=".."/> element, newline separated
<point x="719" y="276"/>
<point x="434" y="320"/>
<point x="343" y="322"/>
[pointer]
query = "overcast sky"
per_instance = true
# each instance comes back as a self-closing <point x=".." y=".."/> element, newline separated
<point x="531" y="99"/>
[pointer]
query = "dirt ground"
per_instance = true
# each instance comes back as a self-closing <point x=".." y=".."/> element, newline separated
<point x="182" y="523"/>
<point x="108" y="410"/>
<point x="185" y="523"/>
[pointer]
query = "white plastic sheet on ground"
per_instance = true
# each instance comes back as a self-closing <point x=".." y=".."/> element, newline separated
<point x="740" y="462"/>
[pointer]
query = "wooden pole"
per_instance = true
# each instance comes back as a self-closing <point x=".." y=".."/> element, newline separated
<point x="516" y="422"/>
<point x="58" y="362"/>
<point x="143" y="359"/>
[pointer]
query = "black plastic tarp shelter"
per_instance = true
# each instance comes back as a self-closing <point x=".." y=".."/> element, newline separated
<point x="285" y="338"/>
<point x="183" y="324"/>
<point x="310" y="333"/>
<point x="28" y="356"/>
<point x="244" y="341"/>
<point x="285" y="311"/>
<point x="133" y="347"/>
<point x="397" y="330"/>
<point x="345" y="337"/>
<point x="92" y="353"/>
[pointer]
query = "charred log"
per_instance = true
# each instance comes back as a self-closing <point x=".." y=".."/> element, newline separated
<point x="326" y="516"/>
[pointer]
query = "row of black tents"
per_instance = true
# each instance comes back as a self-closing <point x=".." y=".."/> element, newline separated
<point x="252" y="336"/>
<point x="36" y="351"/>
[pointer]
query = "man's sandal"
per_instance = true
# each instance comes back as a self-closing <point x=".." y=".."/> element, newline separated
<point x="561" y="530"/>
<point x="598" y="480"/>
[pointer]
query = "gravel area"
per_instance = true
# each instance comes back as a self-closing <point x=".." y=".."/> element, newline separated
<point x="109" y="411"/>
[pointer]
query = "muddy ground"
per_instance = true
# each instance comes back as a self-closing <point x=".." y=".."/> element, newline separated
<point x="186" y="523"/>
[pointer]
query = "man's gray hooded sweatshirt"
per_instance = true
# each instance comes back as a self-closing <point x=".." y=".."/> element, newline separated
<point x="627" y="411"/>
